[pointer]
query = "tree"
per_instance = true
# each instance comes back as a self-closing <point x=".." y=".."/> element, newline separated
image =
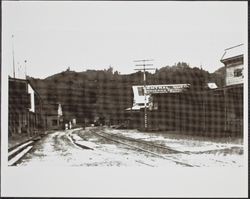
<point x="110" y="70"/>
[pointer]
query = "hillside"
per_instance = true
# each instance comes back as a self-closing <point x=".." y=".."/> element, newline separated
<point x="106" y="94"/>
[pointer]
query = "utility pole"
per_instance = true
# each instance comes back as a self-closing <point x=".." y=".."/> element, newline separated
<point x="13" y="55"/>
<point x="143" y="61"/>
<point x="25" y="68"/>
<point x="19" y="66"/>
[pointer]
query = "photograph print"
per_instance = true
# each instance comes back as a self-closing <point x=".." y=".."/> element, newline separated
<point x="125" y="84"/>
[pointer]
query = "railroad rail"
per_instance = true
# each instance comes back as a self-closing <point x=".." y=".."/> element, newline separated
<point x="158" y="146"/>
<point x="16" y="153"/>
<point x="142" y="144"/>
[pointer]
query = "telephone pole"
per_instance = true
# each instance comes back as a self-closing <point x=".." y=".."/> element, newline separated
<point x="143" y="61"/>
<point x="25" y="68"/>
<point x="13" y="56"/>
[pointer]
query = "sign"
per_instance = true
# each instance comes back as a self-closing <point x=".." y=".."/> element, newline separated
<point x="168" y="88"/>
<point x="139" y="98"/>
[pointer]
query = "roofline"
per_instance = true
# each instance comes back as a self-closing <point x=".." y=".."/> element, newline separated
<point x="32" y="86"/>
<point x="28" y="82"/>
<point x="233" y="86"/>
<point x="237" y="56"/>
<point x="160" y="85"/>
<point x="229" y="49"/>
<point x="18" y="79"/>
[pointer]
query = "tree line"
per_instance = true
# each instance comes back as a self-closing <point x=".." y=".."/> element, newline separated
<point x="106" y="93"/>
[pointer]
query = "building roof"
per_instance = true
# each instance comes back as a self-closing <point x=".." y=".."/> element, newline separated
<point x="212" y="85"/>
<point x="26" y="81"/>
<point x="232" y="52"/>
<point x="17" y="79"/>
<point x="51" y="109"/>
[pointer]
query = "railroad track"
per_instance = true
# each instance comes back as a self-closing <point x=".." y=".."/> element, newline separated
<point x="142" y="144"/>
<point x="157" y="146"/>
<point x="16" y="153"/>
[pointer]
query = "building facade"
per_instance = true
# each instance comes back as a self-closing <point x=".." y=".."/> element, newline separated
<point x="140" y="99"/>
<point x="25" y="108"/>
<point x="234" y="64"/>
<point x="233" y="60"/>
<point x="54" y="116"/>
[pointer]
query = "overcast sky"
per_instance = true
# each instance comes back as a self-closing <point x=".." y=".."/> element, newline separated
<point x="53" y="36"/>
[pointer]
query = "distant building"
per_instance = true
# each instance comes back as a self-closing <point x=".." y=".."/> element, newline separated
<point x="163" y="102"/>
<point x="212" y="85"/>
<point x="25" y="108"/>
<point x="54" y="116"/>
<point x="139" y="98"/>
<point x="234" y="64"/>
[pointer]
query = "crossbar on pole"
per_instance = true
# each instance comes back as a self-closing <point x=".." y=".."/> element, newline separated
<point x="145" y="91"/>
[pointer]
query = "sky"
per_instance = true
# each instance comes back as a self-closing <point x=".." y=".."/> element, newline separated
<point x="82" y="35"/>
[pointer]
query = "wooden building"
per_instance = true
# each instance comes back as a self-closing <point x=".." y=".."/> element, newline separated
<point x="204" y="113"/>
<point x="54" y="116"/>
<point x="25" y="108"/>
<point x="233" y="59"/>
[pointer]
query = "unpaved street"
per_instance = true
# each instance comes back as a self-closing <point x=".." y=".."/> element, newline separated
<point x="86" y="148"/>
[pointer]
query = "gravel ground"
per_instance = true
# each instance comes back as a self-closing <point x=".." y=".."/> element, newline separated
<point x="197" y="151"/>
<point x="56" y="149"/>
<point x="59" y="149"/>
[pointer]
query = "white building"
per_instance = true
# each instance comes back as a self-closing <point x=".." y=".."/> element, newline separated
<point x="233" y="59"/>
<point x="139" y="98"/>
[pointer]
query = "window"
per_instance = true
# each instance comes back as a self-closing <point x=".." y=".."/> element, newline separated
<point x="54" y="122"/>
<point x="140" y="91"/>
<point x="238" y="72"/>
